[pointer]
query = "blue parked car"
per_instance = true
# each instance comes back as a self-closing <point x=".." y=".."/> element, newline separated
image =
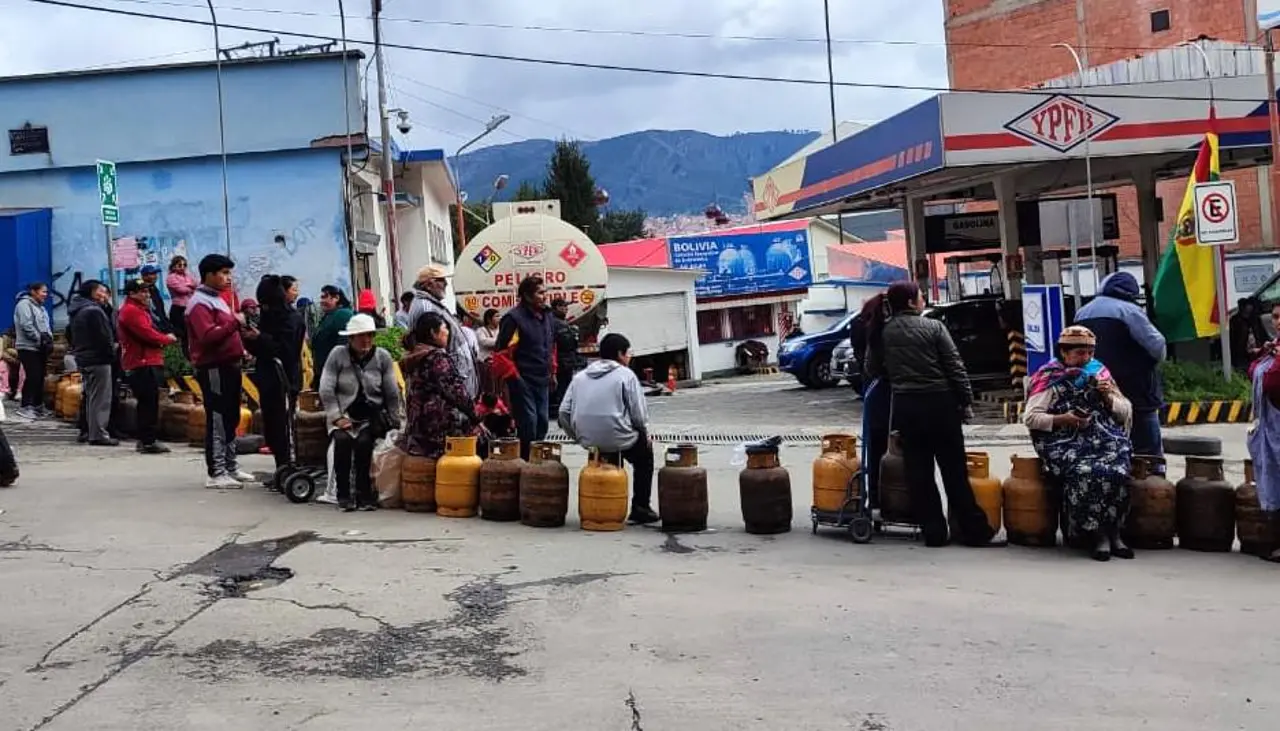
<point x="808" y="357"/>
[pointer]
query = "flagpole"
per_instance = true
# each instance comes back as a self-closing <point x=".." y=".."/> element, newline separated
<point x="1219" y="256"/>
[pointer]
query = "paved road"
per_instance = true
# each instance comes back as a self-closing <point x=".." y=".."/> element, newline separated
<point x="134" y="599"/>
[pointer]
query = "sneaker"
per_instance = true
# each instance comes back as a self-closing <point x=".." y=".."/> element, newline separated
<point x="222" y="482"/>
<point x="368" y="508"/>
<point x="245" y="477"/>
<point x="152" y="448"/>
<point x="109" y="442"/>
<point x="327" y="499"/>
<point x="45" y="413"/>
<point x="82" y="438"/>
<point x="347" y="507"/>
<point x="642" y="515"/>
<point x="27" y="413"/>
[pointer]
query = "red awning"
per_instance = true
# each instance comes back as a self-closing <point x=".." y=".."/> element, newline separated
<point x="638" y="253"/>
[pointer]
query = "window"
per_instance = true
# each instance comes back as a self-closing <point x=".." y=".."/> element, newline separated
<point x="751" y="322"/>
<point x="1160" y="21"/>
<point x="711" y="326"/>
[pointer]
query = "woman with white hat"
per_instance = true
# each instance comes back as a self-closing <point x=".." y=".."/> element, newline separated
<point x="362" y="403"/>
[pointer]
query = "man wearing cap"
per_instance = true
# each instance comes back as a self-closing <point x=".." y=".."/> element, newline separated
<point x="151" y="278"/>
<point x="428" y="296"/>
<point x="142" y="357"/>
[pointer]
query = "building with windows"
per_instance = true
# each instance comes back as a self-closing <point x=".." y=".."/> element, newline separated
<point x="302" y="194"/>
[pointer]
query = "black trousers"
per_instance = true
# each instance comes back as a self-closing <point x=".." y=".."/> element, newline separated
<point x="178" y="321"/>
<point x="145" y="384"/>
<point x="8" y="463"/>
<point x="33" y="366"/>
<point x="354" y="450"/>
<point x="932" y="431"/>
<point x="274" y="400"/>
<point x="641" y="458"/>
<point x="221" y="388"/>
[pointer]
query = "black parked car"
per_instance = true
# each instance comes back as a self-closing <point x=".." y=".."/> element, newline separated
<point x="979" y="326"/>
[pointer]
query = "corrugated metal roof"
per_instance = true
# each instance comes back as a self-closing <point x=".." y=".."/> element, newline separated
<point x="1177" y="63"/>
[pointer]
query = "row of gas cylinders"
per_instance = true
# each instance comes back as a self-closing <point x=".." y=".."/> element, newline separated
<point x="1202" y="512"/>
<point x="506" y="488"/>
<point x="182" y="418"/>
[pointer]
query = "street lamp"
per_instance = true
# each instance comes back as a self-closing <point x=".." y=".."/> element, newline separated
<point x="493" y="124"/>
<point x="222" y="130"/>
<point x="1088" y="175"/>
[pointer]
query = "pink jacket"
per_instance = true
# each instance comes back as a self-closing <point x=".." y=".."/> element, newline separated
<point x="181" y="287"/>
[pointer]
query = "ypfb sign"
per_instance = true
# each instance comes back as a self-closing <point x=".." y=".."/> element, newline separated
<point x="491" y="267"/>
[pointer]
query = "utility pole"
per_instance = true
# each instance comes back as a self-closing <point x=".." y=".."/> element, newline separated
<point x="388" y="171"/>
<point x="1274" y="117"/>
<point x="831" y="93"/>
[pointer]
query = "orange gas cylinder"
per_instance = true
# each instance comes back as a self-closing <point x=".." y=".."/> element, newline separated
<point x="833" y="471"/>
<point x="602" y="493"/>
<point x="418" y="484"/>
<point x="987" y="491"/>
<point x="72" y="391"/>
<point x="51" y="384"/>
<point x="458" y="479"/>
<point x="1030" y="512"/>
<point x="246" y="421"/>
<point x="174" y="419"/>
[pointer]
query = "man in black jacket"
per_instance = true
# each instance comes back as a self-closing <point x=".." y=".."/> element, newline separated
<point x="94" y="346"/>
<point x="567" y="341"/>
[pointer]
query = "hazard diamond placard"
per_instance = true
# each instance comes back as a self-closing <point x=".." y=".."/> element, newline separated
<point x="1217" y="221"/>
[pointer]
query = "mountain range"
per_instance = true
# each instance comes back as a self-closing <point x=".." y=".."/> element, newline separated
<point x="663" y="172"/>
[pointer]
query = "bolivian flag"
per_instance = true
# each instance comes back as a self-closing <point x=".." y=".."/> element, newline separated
<point x="1185" y="293"/>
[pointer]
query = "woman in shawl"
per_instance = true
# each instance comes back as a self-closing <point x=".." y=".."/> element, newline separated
<point x="1079" y="424"/>
<point x="438" y="404"/>
<point x="1264" y="434"/>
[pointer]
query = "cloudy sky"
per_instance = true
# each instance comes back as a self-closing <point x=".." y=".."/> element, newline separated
<point x="449" y="96"/>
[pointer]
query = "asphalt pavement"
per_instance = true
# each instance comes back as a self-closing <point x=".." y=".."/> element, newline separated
<point x="136" y="599"/>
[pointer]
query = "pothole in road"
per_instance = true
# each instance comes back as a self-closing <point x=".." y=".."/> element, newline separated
<point x="233" y="587"/>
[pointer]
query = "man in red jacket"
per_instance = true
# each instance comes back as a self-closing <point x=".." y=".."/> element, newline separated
<point x="213" y="334"/>
<point x="142" y="357"/>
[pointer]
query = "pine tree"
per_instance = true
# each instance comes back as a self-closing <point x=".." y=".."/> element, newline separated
<point x="569" y="181"/>
<point x="623" y="226"/>
<point x="528" y="191"/>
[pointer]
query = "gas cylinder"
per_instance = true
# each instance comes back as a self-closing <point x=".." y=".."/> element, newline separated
<point x="682" y="491"/>
<point x="72" y="392"/>
<point x="51" y="384"/>
<point x="418" y="484"/>
<point x="311" y="448"/>
<point x="196" y="426"/>
<point x="245" y="426"/>
<point x="1206" y="507"/>
<point x="987" y="491"/>
<point x="895" y="495"/>
<point x="176" y="416"/>
<point x="55" y="362"/>
<point x="764" y="489"/>
<point x="129" y="416"/>
<point x="544" y="487"/>
<point x="1153" y="518"/>
<point x="500" y="482"/>
<point x="1030" y="511"/>
<point x="163" y="418"/>
<point x="1257" y="529"/>
<point x="256" y="427"/>
<point x="833" y="471"/>
<point x="458" y="479"/>
<point x="602" y="493"/>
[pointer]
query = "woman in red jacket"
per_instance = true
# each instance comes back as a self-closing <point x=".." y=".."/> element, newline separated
<point x="142" y="357"/>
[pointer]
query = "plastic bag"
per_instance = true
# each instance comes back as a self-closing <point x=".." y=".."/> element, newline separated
<point x="387" y="458"/>
<point x="739" y="458"/>
<point x="330" y="496"/>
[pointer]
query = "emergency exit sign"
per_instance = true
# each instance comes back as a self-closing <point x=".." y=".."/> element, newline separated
<point x="108" y="193"/>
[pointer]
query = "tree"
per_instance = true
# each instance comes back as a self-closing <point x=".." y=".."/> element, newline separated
<point x="569" y="181"/>
<point x="528" y="191"/>
<point x="623" y="226"/>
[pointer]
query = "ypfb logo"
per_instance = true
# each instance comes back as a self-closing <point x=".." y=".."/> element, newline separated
<point x="1061" y="122"/>
<point x="530" y="252"/>
<point x="486" y="259"/>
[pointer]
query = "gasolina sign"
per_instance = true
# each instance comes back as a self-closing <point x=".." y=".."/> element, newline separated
<point x="492" y="266"/>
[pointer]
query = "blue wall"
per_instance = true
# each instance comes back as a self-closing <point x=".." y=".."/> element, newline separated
<point x="176" y="207"/>
<point x="168" y="113"/>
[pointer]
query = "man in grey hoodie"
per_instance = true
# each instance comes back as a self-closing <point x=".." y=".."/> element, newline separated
<point x="34" y="342"/>
<point x="605" y="409"/>
<point x="428" y="296"/>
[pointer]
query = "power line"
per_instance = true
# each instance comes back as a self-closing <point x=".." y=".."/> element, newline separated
<point x="451" y="110"/>
<point x="640" y="33"/>
<point x="487" y="105"/>
<point x="585" y="65"/>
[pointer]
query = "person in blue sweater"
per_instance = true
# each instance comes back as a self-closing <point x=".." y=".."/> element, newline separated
<point x="1132" y="349"/>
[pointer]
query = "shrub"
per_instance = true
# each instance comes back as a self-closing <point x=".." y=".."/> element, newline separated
<point x="1200" y="382"/>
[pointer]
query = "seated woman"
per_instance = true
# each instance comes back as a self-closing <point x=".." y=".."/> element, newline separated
<point x="1079" y="424"/>
<point x="1264" y="434"/>
<point x="362" y="403"/>
<point x="438" y="405"/>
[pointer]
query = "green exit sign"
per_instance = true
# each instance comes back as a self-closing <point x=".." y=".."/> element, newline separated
<point x="108" y="193"/>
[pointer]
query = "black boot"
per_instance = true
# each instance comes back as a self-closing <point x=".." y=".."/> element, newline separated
<point x="1101" y="547"/>
<point x="1119" y="548"/>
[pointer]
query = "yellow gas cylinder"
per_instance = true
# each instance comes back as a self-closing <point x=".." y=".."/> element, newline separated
<point x="72" y="392"/>
<point x="195" y="427"/>
<point x="1030" y="511"/>
<point x="246" y="421"/>
<point x="833" y="472"/>
<point x="458" y="479"/>
<point x="602" y="493"/>
<point x="987" y="491"/>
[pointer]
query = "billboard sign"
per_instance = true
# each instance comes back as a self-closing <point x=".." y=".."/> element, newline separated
<point x="745" y="263"/>
<point x="492" y="266"/>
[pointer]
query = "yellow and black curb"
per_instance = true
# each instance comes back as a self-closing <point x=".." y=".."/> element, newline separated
<point x="1178" y="413"/>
